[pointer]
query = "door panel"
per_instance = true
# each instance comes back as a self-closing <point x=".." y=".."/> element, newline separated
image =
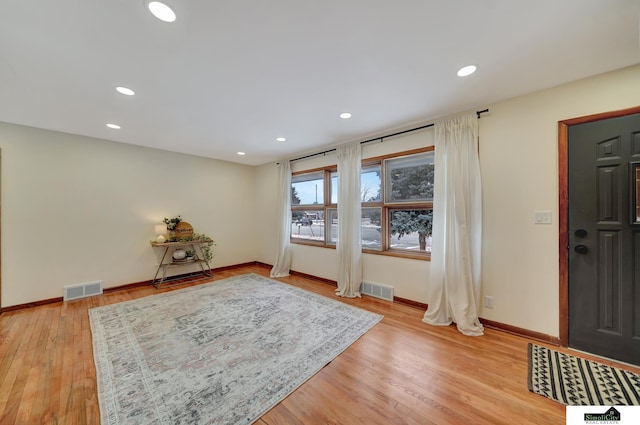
<point x="609" y="282"/>
<point x="635" y="296"/>
<point x="607" y="191"/>
<point x="604" y="257"/>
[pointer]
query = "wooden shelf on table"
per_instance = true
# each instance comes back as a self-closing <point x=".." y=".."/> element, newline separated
<point x="199" y="242"/>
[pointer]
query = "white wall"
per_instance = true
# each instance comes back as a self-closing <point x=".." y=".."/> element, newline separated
<point x="76" y="209"/>
<point x="519" y="162"/>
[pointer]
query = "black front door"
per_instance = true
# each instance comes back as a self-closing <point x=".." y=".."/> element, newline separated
<point x="604" y="237"/>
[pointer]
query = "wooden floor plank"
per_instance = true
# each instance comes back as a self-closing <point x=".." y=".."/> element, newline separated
<point x="15" y="409"/>
<point x="400" y="372"/>
<point x="39" y="379"/>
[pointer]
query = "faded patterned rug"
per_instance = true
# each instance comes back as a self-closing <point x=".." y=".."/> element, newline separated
<point x="220" y="353"/>
<point x="575" y="381"/>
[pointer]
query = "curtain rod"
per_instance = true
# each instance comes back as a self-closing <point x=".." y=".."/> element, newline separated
<point x="380" y="138"/>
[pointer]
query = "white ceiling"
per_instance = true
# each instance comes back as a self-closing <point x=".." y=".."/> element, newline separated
<point x="232" y="75"/>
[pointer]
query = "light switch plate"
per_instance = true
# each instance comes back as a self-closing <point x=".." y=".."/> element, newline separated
<point x="542" y="217"/>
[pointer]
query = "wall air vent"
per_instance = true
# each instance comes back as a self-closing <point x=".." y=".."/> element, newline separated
<point x="377" y="290"/>
<point x="83" y="290"/>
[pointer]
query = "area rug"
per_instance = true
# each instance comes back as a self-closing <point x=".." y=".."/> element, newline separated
<point x="574" y="381"/>
<point x="219" y="353"/>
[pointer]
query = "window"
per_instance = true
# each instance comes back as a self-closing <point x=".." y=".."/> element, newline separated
<point x="409" y="178"/>
<point x="370" y="228"/>
<point x="396" y="192"/>
<point x="307" y="189"/>
<point x="308" y="207"/>
<point x="411" y="229"/>
<point x="370" y="184"/>
<point x="307" y="224"/>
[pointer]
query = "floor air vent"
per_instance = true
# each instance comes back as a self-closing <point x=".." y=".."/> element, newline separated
<point x="83" y="290"/>
<point x="377" y="290"/>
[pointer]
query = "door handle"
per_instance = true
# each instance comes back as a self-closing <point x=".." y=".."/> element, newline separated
<point x="580" y="233"/>
<point x="581" y="249"/>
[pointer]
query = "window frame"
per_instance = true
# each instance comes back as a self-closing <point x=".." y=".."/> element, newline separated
<point x="385" y="207"/>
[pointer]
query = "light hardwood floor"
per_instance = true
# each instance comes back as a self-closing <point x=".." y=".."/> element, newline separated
<point x="400" y="372"/>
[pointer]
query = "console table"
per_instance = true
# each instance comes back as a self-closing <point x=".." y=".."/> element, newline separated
<point x="171" y="263"/>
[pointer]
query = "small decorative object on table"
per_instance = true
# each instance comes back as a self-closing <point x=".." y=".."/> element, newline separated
<point x="171" y="226"/>
<point x="206" y="246"/>
<point x="183" y="231"/>
<point x="179" y="254"/>
<point x="160" y="230"/>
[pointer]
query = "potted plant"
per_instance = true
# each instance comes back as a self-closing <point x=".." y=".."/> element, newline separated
<point x="206" y="248"/>
<point x="171" y="226"/>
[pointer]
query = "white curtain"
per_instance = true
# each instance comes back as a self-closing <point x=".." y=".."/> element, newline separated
<point x="454" y="288"/>
<point x="282" y="262"/>
<point x="349" y="243"/>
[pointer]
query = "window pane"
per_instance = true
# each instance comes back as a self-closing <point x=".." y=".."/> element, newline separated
<point x="332" y="222"/>
<point x="371" y="231"/>
<point x="369" y="184"/>
<point x="409" y="178"/>
<point x="334" y="187"/>
<point x="370" y="228"/>
<point x="411" y="229"/>
<point x="307" y="189"/>
<point x="307" y="225"/>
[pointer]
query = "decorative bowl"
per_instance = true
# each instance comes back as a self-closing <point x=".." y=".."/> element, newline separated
<point x="179" y="254"/>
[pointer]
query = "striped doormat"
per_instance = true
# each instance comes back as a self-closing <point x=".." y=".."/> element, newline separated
<point x="574" y="381"/>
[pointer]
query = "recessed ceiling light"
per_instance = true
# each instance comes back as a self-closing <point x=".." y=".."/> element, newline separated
<point x="161" y="11"/>
<point x="467" y="70"/>
<point x="345" y="115"/>
<point x="113" y="126"/>
<point x="281" y="139"/>
<point x="241" y="153"/>
<point x="125" y="90"/>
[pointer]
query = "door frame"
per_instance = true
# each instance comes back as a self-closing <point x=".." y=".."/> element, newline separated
<point x="563" y="208"/>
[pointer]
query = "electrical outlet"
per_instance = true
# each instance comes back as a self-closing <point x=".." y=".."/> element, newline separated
<point x="488" y="301"/>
